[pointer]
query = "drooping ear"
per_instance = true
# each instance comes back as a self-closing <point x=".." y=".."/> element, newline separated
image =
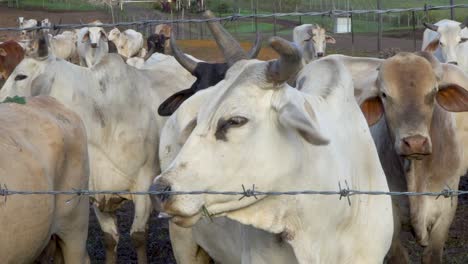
<point x="3" y="52"/>
<point x="372" y="109"/>
<point x="103" y="34"/>
<point x="330" y="39"/>
<point x="453" y="98"/>
<point x="171" y="104"/>
<point x="295" y="112"/>
<point x="85" y="37"/>
<point x="432" y="46"/>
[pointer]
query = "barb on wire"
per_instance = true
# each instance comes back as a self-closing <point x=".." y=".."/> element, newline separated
<point x="248" y="192"/>
<point x="345" y="192"/>
<point x="238" y="17"/>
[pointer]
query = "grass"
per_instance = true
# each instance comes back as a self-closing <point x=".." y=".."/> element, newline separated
<point x="60" y="5"/>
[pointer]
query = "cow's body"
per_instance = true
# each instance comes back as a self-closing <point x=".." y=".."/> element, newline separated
<point x="297" y="220"/>
<point x="129" y="43"/>
<point x="43" y="148"/>
<point x="64" y="45"/>
<point x="118" y="105"/>
<point x="11" y="54"/>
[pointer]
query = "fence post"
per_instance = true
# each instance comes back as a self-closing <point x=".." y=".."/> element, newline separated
<point x="452" y="11"/>
<point x="379" y="37"/>
<point x="300" y="20"/>
<point x="190" y="27"/>
<point x="414" y="29"/>
<point x="274" y="26"/>
<point x="352" y="33"/>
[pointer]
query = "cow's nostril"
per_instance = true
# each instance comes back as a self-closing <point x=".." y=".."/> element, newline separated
<point x="453" y="62"/>
<point x="319" y="54"/>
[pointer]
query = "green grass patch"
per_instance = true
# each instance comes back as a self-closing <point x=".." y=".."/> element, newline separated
<point x="69" y="5"/>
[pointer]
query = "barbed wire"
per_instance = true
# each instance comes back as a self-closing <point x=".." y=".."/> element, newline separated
<point x="236" y="17"/>
<point x="447" y="192"/>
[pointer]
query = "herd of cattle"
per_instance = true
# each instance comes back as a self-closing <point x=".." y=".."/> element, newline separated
<point x="105" y="113"/>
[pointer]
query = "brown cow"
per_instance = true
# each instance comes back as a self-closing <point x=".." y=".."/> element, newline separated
<point x="11" y="54"/>
<point x="43" y="147"/>
<point x="418" y="144"/>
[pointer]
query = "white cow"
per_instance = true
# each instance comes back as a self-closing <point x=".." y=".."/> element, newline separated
<point x="64" y="45"/>
<point x="92" y="45"/>
<point x="443" y="39"/>
<point x="312" y="40"/>
<point x="301" y="138"/>
<point x="118" y="105"/>
<point x="42" y="148"/>
<point x="129" y="43"/>
<point x="25" y="24"/>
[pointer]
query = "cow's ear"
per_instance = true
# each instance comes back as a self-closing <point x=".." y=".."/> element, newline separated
<point x="171" y="104"/>
<point x="103" y="34"/>
<point x="294" y="111"/>
<point x="453" y="98"/>
<point x="3" y="52"/>
<point x="85" y="37"/>
<point x="432" y="46"/>
<point x="330" y="39"/>
<point x="372" y="109"/>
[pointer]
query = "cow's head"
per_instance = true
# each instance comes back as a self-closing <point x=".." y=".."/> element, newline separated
<point x="449" y="38"/>
<point x="230" y="141"/>
<point x="207" y="74"/>
<point x="30" y="78"/>
<point x="155" y="43"/>
<point x="409" y="88"/>
<point x="313" y="39"/>
<point x="94" y="35"/>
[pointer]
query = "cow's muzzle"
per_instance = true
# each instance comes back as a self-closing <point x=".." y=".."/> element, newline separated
<point x="415" y="147"/>
<point x="162" y="187"/>
<point x="320" y="54"/>
<point x="93" y="45"/>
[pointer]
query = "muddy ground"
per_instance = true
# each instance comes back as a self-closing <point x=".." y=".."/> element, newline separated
<point x="159" y="248"/>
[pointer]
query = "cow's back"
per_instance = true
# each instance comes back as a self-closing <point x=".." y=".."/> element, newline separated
<point x="36" y="139"/>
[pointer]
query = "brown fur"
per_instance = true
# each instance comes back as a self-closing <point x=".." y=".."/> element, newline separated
<point x="11" y="54"/>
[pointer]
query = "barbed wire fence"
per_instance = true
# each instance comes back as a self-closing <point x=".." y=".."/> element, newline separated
<point x="291" y="19"/>
<point x="346" y="192"/>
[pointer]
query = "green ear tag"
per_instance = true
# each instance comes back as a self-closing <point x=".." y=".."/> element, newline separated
<point x="15" y="99"/>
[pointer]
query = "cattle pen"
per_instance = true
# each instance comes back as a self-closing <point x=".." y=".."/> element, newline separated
<point x="376" y="31"/>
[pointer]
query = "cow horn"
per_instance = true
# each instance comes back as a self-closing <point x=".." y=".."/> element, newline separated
<point x="289" y="63"/>
<point x="230" y="48"/>
<point x="42" y="48"/>
<point x="464" y="24"/>
<point x="183" y="59"/>
<point x="253" y="53"/>
<point x="431" y="26"/>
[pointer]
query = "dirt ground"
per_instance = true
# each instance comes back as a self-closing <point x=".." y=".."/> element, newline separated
<point x="159" y="248"/>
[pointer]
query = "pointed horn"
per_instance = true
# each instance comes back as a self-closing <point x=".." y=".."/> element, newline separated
<point x="431" y="26"/>
<point x="42" y="49"/>
<point x="255" y="50"/>
<point x="183" y="59"/>
<point x="289" y="63"/>
<point x="230" y="48"/>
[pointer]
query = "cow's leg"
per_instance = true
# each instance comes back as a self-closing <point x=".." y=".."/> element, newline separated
<point x="438" y="235"/>
<point x="108" y="225"/>
<point x="186" y="250"/>
<point x="397" y="253"/>
<point x="139" y="230"/>
<point x="72" y="240"/>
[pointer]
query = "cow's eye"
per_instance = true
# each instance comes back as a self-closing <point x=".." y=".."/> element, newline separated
<point x="20" y="77"/>
<point x="384" y="95"/>
<point x="224" y="125"/>
<point x="237" y="121"/>
<point x="463" y="40"/>
<point x="441" y="44"/>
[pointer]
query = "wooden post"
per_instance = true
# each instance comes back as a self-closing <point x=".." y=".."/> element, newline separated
<point x="414" y="29"/>
<point x="452" y="10"/>
<point x="274" y="25"/>
<point x="379" y="37"/>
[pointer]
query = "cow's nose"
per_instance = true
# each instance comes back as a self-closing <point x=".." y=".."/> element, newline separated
<point x="415" y="146"/>
<point x="93" y="45"/>
<point x="453" y="62"/>
<point x="319" y="54"/>
<point x="161" y="187"/>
